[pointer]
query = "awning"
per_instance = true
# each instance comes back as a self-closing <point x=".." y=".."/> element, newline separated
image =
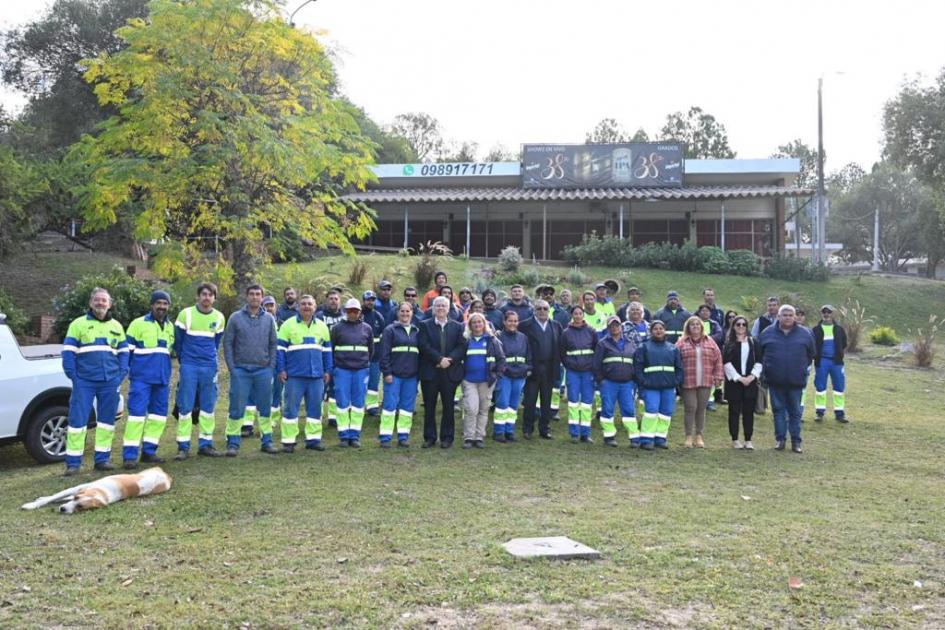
<point x="511" y="193"/>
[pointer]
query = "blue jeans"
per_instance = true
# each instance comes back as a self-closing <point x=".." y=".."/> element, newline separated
<point x="246" y="382"/>
<point x="786" y="407"/>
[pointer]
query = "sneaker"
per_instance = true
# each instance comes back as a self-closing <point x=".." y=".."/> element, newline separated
<point x="343" y="442"/>
<point x="288" y="448"/>
<point x="779" y="446"/>
<point x="710" y="406"/>
<point x="700" y="443"/>
<point x="662" y="445"/>
<point x="467" y="443"/>
<point x="269" y="449"/>
<point x="71" y="471"/>
<point x="478" y="444"/>
<point x="129" y="464"/>
<point x="575" y="439"/>
<point x="104" y="466"/>
<point x="736" y="444"/>
<point x="841" y="419"/>
<point x="546" y="435"/>
<point x="151" y="459"/>
<point x="819" y="417"/>
<point x="647" y="446"/>
<point x="634" y="445"/>
<point x="231" y="451"/>
<point x="749" y="446"/>
<point x="428" y="444"/>
<point x="609" y="441"/>
<point x="246" y="432"/>
<point x="796" y="448"/>
<point x="181" y="456"/>
<point x="385" y="444"/>
<point x="510" y="437"/>
<point x="315" y="447"/>
<point x="688" y="443"/>
<point x="587" y="439"/>
<point x="446" y="444"/>
<point x="354" y="443"/>
<point x="209" y="451"/>
<point x="500" y="437"/>
<point x="403" y="443"/>
<point x="527" y="435"/>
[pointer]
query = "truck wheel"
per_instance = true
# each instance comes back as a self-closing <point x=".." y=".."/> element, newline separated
<point x="46" y="435"/>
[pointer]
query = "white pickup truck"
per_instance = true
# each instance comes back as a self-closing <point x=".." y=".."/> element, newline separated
<point x="34" y="397"/>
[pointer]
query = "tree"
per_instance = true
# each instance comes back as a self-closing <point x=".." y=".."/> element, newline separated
<point x="422" y="133"/>
<point x="226" y="130"/>
<point x="607" y="130"/>
<point x="843" y="181"/>
<point x="499" y="153"/>
<point x="465" y="152"/>
<point x="640" y="136"/>
<point x="932" y="234"/>
<point x="389" y="148"/>
<point x="902" y="202"/>
<point x="914" y="129"/>
<point x="42" y="59"/>
<point x="807" y="178"/>
<point x="703" y="135"/>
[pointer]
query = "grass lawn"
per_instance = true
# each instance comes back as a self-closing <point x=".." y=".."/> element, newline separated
<point x="690" y="538"/>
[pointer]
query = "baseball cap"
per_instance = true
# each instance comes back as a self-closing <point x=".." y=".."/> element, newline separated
<point x="369" y="295"/>
<point x="385" y="284"/>
<point x="352" y="304"/>
<point x="612" y="319"/>
<point x="827" y="307"/>
<point x="268" y="300"/>
<point x="600" y="285"/>
<point x="672" y="294"/>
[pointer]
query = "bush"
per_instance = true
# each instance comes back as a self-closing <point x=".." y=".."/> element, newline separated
<point x="855" y="321"/>
<point x="510" y="259"/>
<point x="792" y="268"/>
<point x="576" y="277"/>
<point x="924" y="338"/>
<point x="743" y="262"/>
<point x="428" y="265"/>
<point x="131" y="298"/>
<point x="884" y="336"/>
<point x="357" y="273"/>
<point x="17" y="319"/>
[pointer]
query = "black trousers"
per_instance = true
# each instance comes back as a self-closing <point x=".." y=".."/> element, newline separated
<point x="540" y="383"/>
<point x="741" y="406"/>
<point x="443" y="388"/>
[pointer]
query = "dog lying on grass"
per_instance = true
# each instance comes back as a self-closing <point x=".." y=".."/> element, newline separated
<point x="107" y="490"/>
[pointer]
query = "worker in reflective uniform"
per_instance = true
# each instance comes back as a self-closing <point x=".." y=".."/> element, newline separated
<point x="576" y="350"/>
<point x="352" y="342"/>
<point x="376" y="321"/>
<point x="830" y="342"/>
<point x="613" y="370"/>
<point x="511" y="383"/>
<point x="304" y="365"/>
<point x="95" y="358"/>
<point x="658" y="371"/>
<point x="400" y="363"/>
<point x="673" y="316"/>
<point x="150" y="341"/>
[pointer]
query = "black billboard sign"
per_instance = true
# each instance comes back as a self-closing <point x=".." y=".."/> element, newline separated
<point x="623" y="165"/>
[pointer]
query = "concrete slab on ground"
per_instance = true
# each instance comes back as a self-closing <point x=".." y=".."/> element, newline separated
<point x="556" y="547"/>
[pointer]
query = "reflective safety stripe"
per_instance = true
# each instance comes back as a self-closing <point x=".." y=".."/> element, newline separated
<point x="659" y="368"/>
<point x="480" y="351"/>
<point x="85" y="349"/>
<point x="573" y="353"/>
<point x="619" y="360"/>
<point x="515" y="359"/>
<point x="201" y="333"/>
<point x="405" y="349"/>
<point x="490" y="359"/>
<point x="377" y="340"/>
<point x="156" y="350"/>
<point x="305" y="346"/>
<point x="351" y="348"/>
<point x="69" y="348"/>
<point x="105" y="427"/>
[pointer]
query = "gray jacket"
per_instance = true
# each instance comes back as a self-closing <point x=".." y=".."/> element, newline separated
<point x="250" y="341"/>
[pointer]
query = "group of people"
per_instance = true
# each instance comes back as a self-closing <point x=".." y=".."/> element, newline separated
<point x="523" y="353"/>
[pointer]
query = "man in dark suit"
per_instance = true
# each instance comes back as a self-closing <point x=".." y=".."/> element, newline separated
<point x="442" y="348"/>
<point x="543" y="334"/>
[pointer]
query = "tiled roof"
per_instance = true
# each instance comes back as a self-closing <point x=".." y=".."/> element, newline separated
<point x="512" y="193"/>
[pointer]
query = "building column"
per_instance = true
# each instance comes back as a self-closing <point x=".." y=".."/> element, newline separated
<point x="693" y="232"/>
<point x="778" y="244"/>
<point x="722" y="224"/>
<point x="468" y="232"/>
<point x="406" y="227"/>
<point x="544" y="231"/>
<point x="448" y="229"/>
<point x="526" y="235"/>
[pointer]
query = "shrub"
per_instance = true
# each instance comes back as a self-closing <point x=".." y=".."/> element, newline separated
<point x="510" y="259"/>
<point x="427" y="265"/>
<point x="855" y="321"/>
<point x="792" y="268"/>
<point x="743" y="262"/>
<point x="713" y="260"/>
<point x="17" y="319"/>
<point x="357" y="273"/>
<point x="884" y="336"/>
<point x="924" y="338"/>
<point x="576" y="277"/>
<point x="131" y="297"/>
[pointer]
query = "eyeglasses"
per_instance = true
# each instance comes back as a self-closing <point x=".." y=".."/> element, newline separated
<point x="410" y="295"/>
<point x="541" y="308"/>
<point x="740" y="324"/>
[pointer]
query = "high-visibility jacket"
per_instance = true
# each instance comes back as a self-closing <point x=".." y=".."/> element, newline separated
<point x="198" y="336"/>
<point x="576" y="347"/>
<point x="150" y="343"/>
<point x="304" y="349"/>
<point x="518" y="354"/>
<point x="95" y="350"/>
<point x="613" y="360"/>
<point x="399" y="351"/>
<point x="596" y="320"/>
<point x="657" y="365"/>
<point x="352" y="344"/>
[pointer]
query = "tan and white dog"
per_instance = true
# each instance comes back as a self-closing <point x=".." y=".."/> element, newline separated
<point x="107" y="490"/>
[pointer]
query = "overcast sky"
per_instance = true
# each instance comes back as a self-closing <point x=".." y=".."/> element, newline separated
<point x="516" y="71"/>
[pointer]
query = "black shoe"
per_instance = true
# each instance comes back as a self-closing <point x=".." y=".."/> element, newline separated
<point x="546" y="435"/>
<point x="71" y="471"/>
<point x="403" y="443"/>
<point x="343" y="442"/>
<point x="587" y="439"/>
<point x="478" y="444"/>
<point x="428" y="444"/>
<point x="385" y="444"/>
<point x="315" y="447"/>
<point x="354" y="443"/>
<point x="527" y="435"/>
<point x="231" y="451"/>
<point x="288" y="448"/>
<point x="181" y="456"/>
<point x="467" y="443"/>
<point x="647" y="446"/>
<point x="597" y="416"/>
<point x="779" y="446"/>
<point x="246" y="432"/>
<point x="819" y="417"/>
<point x="104" y="466"/>
<point x="609" y="441"/>
<point x="446" y="444"/>
<point x="796" y="448"/>
<point x="841" y="419"/>
<point x="499" y="438"/>
<point x="332" y="422"/>
<point x="510" y="437"/>
<point x="129" y="464"/>
<point x="664" y="446"/>
<point x="209" y="451"/>
<point x="270" y="449"/>
<point x="555" y="419"/>
<point x="151" y="459"/>
<point x="634" y="445"/>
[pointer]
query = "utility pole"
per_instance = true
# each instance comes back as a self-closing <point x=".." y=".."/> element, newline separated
<point x="821" y="217"/>
<point x="876" y="239"/>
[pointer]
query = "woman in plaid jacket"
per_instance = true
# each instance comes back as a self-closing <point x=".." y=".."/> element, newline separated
<point x="702" y="370"/>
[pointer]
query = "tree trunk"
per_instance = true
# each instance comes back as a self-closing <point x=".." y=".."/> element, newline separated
<point x="243" y="260"/>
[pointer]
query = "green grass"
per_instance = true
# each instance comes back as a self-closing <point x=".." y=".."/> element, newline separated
<point x="392" y="538"/>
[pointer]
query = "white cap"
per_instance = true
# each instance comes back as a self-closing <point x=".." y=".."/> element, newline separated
<point x="352" y="304"/>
